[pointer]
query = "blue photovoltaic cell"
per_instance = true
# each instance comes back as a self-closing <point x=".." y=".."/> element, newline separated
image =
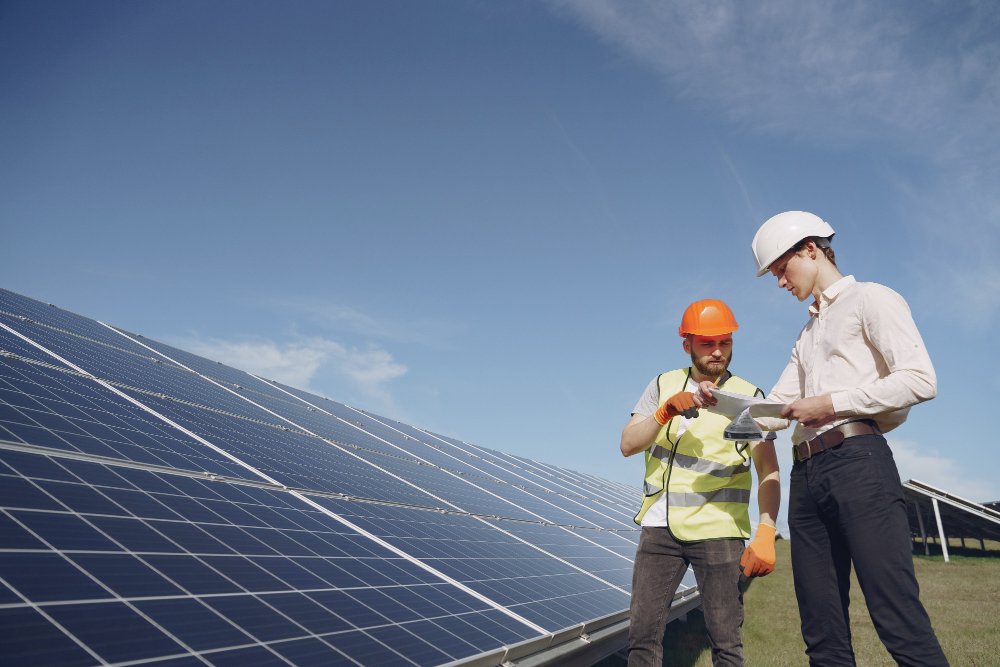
<point x="84" y="417"/>
<point x="114" y="631"/>
<point x="270" y="396"/>
<point x="513" y="500"/>
<point x="172" y="515"/>
<point x="124" y="362"/>
<point x="17" y="347"/>
<point x="556" y="489"/>
<point x="257" y="656"/>
<point x="311" y="652"/>
<point x="293" y="458"/>
<point x="564" y="495"/>
<point x="46" y="577"/>
<point x="194" y="624"/>
<point x="547" y="591"/>
<point x="307" y="577"/>
<point x="580" y="549"/>
<point x="409" y="442"/>
<point x="30" y="639"/>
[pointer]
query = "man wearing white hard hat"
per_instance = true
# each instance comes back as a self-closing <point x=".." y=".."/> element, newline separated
<point x="857" y="367"/>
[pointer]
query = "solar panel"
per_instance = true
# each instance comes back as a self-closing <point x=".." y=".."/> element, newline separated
<point x="157" y="507"/>
<point x="941" y="514"/>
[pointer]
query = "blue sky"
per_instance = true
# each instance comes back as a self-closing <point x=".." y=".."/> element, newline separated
<point x="485" y="218"/>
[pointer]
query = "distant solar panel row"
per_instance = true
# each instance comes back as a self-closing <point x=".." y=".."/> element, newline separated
<point x="157" y="507"/>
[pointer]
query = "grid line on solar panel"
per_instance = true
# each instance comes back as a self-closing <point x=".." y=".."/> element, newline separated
<point x="567" y="498"/>
<point x="140" y="371"/>
<point x="486" y="557"/>
<point x="261" y="392"/>
<point x="51" y="438"/>
<point x="624" y="500"/>
<point x="66" y="319"/>
<point x="112" y="564"/>
<point x="138" y="390"/>
<point x="425" y="483"/>
<point x="49" y="407"/>
<point x="534" y="507"/>
<point x="176" y="482"/>
<point x="242" y="532"/>
<point x="157" y="395"/>
<point x="107" y="344"/>
<point x="496" y="510"/>
<point x="198" y="546"/>
<point x="208" y="368"/>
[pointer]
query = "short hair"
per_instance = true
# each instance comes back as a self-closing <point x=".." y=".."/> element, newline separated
<point x="821" y="243"/>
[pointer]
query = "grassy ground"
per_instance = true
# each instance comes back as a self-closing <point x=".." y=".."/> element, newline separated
<point x="961" y="598"/>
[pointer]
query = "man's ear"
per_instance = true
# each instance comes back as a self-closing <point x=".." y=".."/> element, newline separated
<point x="687" y="344"/>
<point x="811" y="248"/>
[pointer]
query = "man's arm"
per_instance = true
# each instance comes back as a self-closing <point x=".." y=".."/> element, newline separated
<point x="765" y="462"/>
<point x="890" y="330"/>
<point x="889" y="327"/>
<point x="641" y="430"/>
<point x="638" y="434"/>
<point x="758" y="558"/>
<point x="787" y="389"/>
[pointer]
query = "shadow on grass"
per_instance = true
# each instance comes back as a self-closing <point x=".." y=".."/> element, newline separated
<point x="934" y="551"/>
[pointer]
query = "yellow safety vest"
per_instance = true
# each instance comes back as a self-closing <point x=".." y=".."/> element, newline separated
<point x="707" y="479"/>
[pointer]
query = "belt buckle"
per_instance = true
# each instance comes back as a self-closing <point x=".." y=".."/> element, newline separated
<point x="798" y="454"/>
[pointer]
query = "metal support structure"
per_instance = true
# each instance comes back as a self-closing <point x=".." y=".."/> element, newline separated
<point x="944" y="540"/>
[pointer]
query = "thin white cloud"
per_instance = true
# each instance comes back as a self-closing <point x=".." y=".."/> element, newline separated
<point x="919" y="80"/>
<point x="335" y="317"/>
<point x="298" y="363"/>
<point x="844" y="69"/>
<point x="946" y="474"/>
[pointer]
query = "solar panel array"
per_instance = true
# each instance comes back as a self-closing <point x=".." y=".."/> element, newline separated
<point x="960" y="518"/>
<point x="160" y="508"/>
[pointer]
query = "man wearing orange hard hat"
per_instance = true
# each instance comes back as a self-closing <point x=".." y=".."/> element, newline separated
<point x="697" y="495"/>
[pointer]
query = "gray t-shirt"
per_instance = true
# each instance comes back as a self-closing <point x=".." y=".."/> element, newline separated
<point x="650" y="399"/>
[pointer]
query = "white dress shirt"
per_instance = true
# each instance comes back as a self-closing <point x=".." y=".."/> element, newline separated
<point x="862" y="347"/>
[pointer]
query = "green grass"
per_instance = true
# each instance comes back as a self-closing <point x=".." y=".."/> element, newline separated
<point x="961" y="598"/>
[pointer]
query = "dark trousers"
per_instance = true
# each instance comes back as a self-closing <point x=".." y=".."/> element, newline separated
<point x="660" y="564"/>
<point x="846" y="506"/>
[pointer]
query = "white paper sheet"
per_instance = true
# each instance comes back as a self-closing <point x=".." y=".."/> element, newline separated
<point x="731" y="405"/>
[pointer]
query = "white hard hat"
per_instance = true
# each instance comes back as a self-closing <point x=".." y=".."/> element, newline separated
<point x="782" y="232"/>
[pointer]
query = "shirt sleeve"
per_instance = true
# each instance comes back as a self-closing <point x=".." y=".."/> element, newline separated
<point x="650" y="399"/>
<point x="788" y="388"/>
<point x="909" y="376"/>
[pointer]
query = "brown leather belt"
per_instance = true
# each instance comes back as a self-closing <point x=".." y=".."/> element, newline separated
<point x="833" y="437"/>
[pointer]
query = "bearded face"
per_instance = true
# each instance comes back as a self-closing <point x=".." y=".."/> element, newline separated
<point x="710" y="355"/>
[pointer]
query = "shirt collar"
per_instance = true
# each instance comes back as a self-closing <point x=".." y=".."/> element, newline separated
<point x="830" y="294"/>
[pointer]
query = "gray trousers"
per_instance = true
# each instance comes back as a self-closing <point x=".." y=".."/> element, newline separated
<point x="660" y="564"/>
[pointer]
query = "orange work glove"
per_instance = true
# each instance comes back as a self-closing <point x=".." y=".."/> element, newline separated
<point x="758" y="558"/>
<point x="681" y="403"/>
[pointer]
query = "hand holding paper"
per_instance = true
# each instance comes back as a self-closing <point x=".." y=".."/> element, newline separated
<point x="731" y="405"/>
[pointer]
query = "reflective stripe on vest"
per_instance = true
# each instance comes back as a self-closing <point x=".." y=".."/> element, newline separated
<point x="709" y="480"/>
<point x="696" y="464"/>
<point x="720" y="496"/>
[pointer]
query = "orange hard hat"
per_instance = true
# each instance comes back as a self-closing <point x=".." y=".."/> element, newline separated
<point x="708" y="317"/>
